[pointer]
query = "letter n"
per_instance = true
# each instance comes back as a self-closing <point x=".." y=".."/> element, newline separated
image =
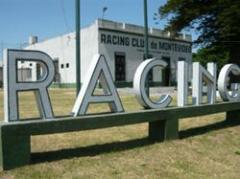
<point x="201" y="75"/>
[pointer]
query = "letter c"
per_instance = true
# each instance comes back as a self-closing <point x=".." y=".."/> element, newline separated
<point x="139" y="85"/>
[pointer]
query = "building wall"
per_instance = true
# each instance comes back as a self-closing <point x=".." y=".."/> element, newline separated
<point x="129" y="39"/>
<point x="63" y="49"/>
<point x="89" y="47"/>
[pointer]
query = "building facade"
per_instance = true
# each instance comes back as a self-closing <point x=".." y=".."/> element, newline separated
<point x="123" y="46"/>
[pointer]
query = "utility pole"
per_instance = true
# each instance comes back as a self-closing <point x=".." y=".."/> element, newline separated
<point x="146" y="49"/>
<point x="1" y="47"/>
<point x="78" y="47"/>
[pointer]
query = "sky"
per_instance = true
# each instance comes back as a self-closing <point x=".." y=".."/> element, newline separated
<point x="49" y="18"/>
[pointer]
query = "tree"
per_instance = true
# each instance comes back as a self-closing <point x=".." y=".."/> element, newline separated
<point x="216" y="21"/>
<point x="205" y="55"/>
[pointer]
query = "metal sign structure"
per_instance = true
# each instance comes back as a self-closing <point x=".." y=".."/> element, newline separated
<point x="15" y="148"/>
<point x="99" y="71"/>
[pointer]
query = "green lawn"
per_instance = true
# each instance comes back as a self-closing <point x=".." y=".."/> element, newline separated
<point x="211" y="151"/>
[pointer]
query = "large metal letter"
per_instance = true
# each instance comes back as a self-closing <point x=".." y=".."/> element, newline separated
<point x="223" y="81"/>
<point x="139" y="85"/>
<point x="209" y="77"/>
<point x="12" y="86"/>
<point x="98" y="70"/>
<point x="182" y="83"/>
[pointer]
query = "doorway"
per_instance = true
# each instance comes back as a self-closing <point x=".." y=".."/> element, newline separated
<point x="166" y="72"/>
<point x="120" y="67"/>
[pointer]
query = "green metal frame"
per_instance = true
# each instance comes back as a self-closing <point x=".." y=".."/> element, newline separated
<point x="64" y="85"/>
<point x="119" y="84"/>
<point x="163" y="125"/>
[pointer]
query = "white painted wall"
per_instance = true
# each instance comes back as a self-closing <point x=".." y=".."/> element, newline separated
<point x="61" y="48"/>
<point x="89" y="47"/>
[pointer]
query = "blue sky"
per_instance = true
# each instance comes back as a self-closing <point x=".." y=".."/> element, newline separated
<point x="48" y="18"/>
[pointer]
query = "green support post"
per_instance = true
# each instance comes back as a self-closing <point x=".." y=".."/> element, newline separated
<point x="146" y="49"/>
<point x="15" y="150"/>
<point x="163" y="130"/>
<point x="233" y="117"/>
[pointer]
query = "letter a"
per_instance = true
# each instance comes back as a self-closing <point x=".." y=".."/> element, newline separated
<point x="98" y="70"/>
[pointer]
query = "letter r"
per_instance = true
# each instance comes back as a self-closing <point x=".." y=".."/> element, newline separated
<point x="12" y="86"/>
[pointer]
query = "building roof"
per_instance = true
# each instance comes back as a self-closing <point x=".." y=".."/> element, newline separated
<point x="125" y="27"/>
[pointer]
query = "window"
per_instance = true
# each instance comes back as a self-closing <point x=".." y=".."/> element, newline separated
<point x="55" y="62"/>
<point x="39" y="71"/>
<point x="67" y="65"/>
<point x="166" y="75"/>
<point x="150" y="73"/>
<point x="30" y="64"/>
<point x="181" y="59"/>
<point x="62" y="65"/>
<point x="57" y="74"/>
<point x="120" y="67"/>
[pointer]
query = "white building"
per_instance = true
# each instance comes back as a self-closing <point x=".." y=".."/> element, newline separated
<point x="123" y="46"/>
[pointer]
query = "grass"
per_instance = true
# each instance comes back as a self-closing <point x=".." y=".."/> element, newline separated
<point x="211" y="151"/>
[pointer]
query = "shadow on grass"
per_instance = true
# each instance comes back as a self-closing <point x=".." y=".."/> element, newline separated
<point x="121" y="146"/>
<point x="208" y="128"/>
<point x="89" y="150"/>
